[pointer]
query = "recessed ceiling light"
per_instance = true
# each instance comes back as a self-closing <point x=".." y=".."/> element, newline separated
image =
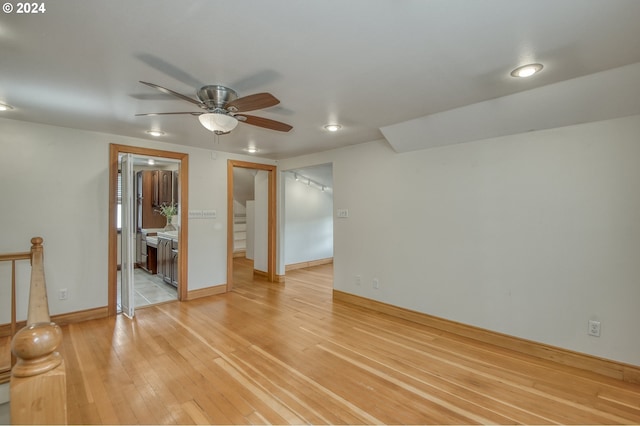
<point x="5" y="107"/>
<point x="526" y="70"/>
<point x="333" y="127"/>
<point x="155" y="133"/>
<point x="251" y="150"/>
<point x="151" y="161"/>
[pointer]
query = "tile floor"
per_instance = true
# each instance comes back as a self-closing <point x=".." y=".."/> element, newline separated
<point x="149" y="289"/>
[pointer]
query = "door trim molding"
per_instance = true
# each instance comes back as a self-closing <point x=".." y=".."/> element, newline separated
<point x="183" y="235"/>
<point x="271" y="219"/>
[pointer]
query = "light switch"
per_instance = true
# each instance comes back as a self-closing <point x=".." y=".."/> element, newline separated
<point x="343" y="213"/>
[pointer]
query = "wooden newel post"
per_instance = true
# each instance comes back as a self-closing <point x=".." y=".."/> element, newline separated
<point x="38" y="380"/>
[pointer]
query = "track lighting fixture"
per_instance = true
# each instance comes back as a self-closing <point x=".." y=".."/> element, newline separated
<point x="310" y="182"/>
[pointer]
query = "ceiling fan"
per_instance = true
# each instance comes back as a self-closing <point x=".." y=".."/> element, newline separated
<point x="224" y="109"/>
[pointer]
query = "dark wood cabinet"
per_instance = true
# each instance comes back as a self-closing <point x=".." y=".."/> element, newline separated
<point x="162" y="192"/>
<point x="167" y="260"/>
<point x="148" y="256"/>
<point x="155" y="188"/>
<point x="176" y="186"/>
<point x="174" y="263"/>
<point x="147" y="216"/>
<point x="155" y="184"/>
<point x="163" y="253"/>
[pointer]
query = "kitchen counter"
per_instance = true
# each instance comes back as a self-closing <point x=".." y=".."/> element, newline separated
<point x="148" y="246"/>
<point x="152" y="242"/>
<point x="169" y="235"/>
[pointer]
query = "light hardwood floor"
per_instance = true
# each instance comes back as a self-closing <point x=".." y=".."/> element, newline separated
<point x="287" y="354"/>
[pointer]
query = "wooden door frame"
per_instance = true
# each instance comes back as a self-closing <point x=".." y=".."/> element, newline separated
<point x="183" y="234"/>
<point x="271" y="219"/>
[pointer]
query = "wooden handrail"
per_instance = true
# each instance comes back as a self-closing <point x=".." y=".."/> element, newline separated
<point x="13" y="258"/>
<point x="38" y="379"/>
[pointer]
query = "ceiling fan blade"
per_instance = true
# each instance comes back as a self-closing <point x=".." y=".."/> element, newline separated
<point x="171" y="92"/>
<point x="168" y="113"/>
<point x="264" y="122"/>
<point x="253" y="102"/>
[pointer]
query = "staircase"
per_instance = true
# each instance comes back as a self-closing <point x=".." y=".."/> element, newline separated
<point x="239" y="234"/>
<point x="7" y="331"/>
<point x="37" y="388"/>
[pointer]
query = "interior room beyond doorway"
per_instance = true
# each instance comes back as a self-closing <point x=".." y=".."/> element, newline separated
<point x="308" y="216"/>
<point x="262" y="238"/>
<point x="176" y="168"/>
<point x="157" y="200"/>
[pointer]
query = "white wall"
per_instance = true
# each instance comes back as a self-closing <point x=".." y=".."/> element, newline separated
<point x="308" y="222"/>
<point x="251" y="220"/>
<point x="238" y="208"/>
<point x="530" y="235"/>
<point x="55" y="184"/>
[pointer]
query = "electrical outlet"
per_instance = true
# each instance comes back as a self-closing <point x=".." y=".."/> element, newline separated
<point x="62" y="294"/>
<point x="358" y="280"/>
<point x="376" y="283"/>
<point x="594" y="328"/>
<point x="342" y="213"/>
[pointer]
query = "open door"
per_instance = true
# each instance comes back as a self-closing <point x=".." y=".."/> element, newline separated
<point x="116" y="153"/>
<point x="128" y="235"/>
<point x="271" y="219"/>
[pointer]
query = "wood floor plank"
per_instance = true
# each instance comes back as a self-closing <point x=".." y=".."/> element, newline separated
<point x="286" y="353"/>
<point x="195" y="413"/>
<point x="321" y="406"/>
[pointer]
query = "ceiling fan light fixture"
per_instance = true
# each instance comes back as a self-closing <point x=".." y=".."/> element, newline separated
<point x="218" y="122"/>
<point x="526" y="70"/>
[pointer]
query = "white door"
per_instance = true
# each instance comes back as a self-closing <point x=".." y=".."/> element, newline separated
<point x="128" y="235"/>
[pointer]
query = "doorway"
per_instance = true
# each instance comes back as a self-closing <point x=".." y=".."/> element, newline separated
<point x="181" y="234"/>
<point x="307" y="224"/>
<point x="270" y="274"/>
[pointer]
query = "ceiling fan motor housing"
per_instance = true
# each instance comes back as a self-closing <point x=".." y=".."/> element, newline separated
<point x="216" y="97"/>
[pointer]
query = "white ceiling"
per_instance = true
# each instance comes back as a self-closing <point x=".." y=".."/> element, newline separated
<point x="321" y="174"/>
<point x="244" y="179"/>
<point x="366" y="64"/>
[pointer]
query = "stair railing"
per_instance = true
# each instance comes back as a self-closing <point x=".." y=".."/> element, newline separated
<point x="38" y="379"/>
<point x="5" y="370"/>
